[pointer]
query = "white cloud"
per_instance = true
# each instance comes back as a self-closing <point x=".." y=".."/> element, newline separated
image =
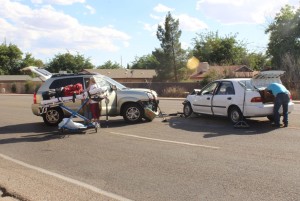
<point x="241" y="11"/>
<point x="162" y="8"/>
<point x="188" y="23"/>
<point x="46" y="30"/>
<point x="91" y="9"/>
<point x="59" y="2"/>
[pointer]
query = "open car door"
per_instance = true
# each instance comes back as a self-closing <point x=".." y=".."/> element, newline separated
<point x="41" y="72"/>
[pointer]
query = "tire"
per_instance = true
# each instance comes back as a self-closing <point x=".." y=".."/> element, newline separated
<point x="271" y="118"/>
<point x="187" y="110"/>
<point x="53" y="116"/>
<point x="133" y="113"/>
<point x="235" y="115"/>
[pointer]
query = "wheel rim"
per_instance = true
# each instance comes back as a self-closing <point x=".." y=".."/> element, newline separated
<point x="52" y="116"/>
<point x="133" y="113"/>
<point x="235" y="116"/>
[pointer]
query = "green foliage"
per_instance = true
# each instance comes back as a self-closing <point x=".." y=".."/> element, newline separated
<point x="216" y="50"/>
<point x="110" y="65"/>
<point x="68" y="62"/>
<point x="257" y="61"/>
<point x="145" y="62"/>
<point x="31" y="61"/>
<point x="170" y="54"/>
<point x="10" y="59"/>
<point x="28" y="87"/>
<point x="284" y="44"/>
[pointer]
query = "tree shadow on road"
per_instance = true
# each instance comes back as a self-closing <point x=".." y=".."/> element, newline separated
<point x="211" y="126"/>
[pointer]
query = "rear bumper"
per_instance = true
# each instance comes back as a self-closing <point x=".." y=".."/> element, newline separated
<point x="263" y="110"/>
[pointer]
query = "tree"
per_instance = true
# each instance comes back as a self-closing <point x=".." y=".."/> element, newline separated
<point x="284" y="44"/>
<point x="145" y="62"/>
<point x="170" y="54"/>
<point x="68" y="62"/>
<point x="10" y="59"/>
<point x="110" y="65"/>
<point x="212" y="48"/>
<point x="257" y="61"/>
<point x="31" y="61"/>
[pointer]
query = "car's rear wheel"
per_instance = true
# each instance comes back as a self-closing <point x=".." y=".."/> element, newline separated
<point x="187" y="110"/>
<point x="133" y="113"/>
<point x="53" y="116"/>
<point x="235" y="115"/>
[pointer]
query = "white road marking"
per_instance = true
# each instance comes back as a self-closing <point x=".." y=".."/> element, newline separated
<point x="67" y="179"/>
<point x="167" y="141"/>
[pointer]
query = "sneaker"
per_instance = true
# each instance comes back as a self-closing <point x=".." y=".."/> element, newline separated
<point x="285" y="125"/>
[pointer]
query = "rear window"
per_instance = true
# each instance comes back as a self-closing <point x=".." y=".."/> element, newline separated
<point x="58" y="83"/>
<point x="247" y="84"/>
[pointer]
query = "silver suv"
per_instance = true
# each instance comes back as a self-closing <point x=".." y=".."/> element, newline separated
<point x="122" y="101"/>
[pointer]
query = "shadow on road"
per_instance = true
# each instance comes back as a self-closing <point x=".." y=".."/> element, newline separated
<point x="219" y="126"/>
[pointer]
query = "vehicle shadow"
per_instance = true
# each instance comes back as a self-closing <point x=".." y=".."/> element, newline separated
<point x="220" y="126"/>
<point x="38" y="132"/>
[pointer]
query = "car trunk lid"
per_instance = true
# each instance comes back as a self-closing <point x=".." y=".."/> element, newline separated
<point x="264" y="78"/>
<point x="41" y="72"/>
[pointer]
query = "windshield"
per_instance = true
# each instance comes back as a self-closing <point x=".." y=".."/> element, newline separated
<point x="114" y="82"/>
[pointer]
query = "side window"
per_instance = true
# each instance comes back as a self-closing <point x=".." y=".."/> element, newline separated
<point x="62" y="82"/>
<point x="226" y="88"/>
<point x="209" y="89"/>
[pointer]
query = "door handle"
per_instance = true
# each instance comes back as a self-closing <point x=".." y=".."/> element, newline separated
<point x="229" y="98"/>
<point x="208" y="98"/>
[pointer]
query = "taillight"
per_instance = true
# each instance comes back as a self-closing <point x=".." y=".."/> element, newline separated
<point x="256" y="100"/>
<point x="34" y="98"/>
<point x="291" y="97"/>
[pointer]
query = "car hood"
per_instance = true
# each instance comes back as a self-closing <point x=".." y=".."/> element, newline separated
<point x="264" y="78"/>
<point x="42" y="73"/>
<point x="143" y="90"/>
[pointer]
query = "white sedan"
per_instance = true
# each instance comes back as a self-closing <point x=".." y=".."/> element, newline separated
<point x="235" y="98"/>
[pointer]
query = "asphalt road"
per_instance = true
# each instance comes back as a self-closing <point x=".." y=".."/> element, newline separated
<point x="199" y="158"/>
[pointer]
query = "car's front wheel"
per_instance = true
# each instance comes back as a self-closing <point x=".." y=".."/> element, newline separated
<point x="187" y="110"/>
<point x="235" y="115"/>
<point x="133" y="113"/>
<point x="53" y="116"/>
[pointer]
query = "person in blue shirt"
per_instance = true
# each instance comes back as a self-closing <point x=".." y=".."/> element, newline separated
<point x="282" y="98"/>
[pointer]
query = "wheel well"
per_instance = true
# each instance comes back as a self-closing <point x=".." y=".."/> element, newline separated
<point x="127" y="103"/>
<point x="232" y="106"/>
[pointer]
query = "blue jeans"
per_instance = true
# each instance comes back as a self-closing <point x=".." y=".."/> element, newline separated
<point x="282" y="99"/>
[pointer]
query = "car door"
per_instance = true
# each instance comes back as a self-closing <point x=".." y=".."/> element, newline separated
<point x="223" y="98"/>
<point x="108" y="105"/>
<point x="203" y="100"/>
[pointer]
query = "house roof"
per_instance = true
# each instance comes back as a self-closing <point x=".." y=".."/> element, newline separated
<point x="201" y="73"/>
<point x="123" y="73"/>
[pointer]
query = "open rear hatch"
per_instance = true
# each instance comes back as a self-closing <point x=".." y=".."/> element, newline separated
<point x="41" y="72"/>
<point x="262" y="80"/>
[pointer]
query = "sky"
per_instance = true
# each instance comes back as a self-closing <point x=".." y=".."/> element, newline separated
<point x="123" y="30"/>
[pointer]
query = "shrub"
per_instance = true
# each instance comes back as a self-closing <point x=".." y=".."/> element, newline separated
<point x="28" y="87"/>
<point x="14" y="88"/>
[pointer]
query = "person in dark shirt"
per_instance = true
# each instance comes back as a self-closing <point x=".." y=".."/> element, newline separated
<point x="282" y="98"/>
